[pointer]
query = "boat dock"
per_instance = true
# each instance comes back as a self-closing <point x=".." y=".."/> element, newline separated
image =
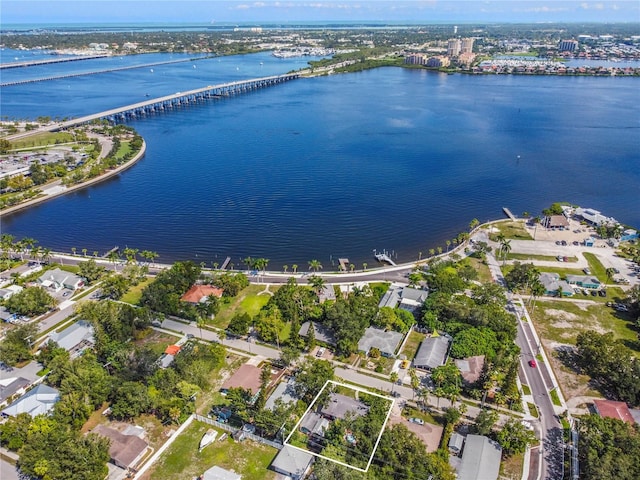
<point x="225" y="264"/>
<point x="344" y="264"/>
<point x="114" y="249"/>
<point x="509" y="214"/>
<point x="384" y="258"/>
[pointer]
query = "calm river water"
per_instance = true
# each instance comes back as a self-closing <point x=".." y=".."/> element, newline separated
<point x="334" y="166"/>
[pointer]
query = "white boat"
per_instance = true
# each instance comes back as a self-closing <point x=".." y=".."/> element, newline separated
<point x="208" y="438"/>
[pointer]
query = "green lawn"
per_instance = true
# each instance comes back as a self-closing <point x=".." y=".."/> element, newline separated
<point x="42" y="139"/>
<point x="413" y="342"/>
<point x="511" y="467"/>
<point x="247" y="300"/>
<point x="562" y="322"/>
<point x="528" y="256"/>
<point x="484" y="274"/>
<point x="596" y="267"/>
<point x="512" y="230"/>
<point x="182" y="459"/>
<point x="533" y="410"/>
<point x="555" y="398"/>
<point x="526" y="390"/>
<point x="134" y="294"/>
<point x="125" y="147"/>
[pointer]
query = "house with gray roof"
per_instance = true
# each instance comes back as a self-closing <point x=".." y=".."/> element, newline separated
<point x="57" y="279"/>
<point x="12" y="386"/>
<point x="385" y="341"/>
<point x="126" y="451"/>
<point x="314" y="424"/>
<point x="432" y="352"/>
<point x="323" y="334"/>
<point x="402" y="296"/>
<point x="219" y="473"/>
<point x="76" y="338"/>
<point x="552" y="282"/>
<point x="338" y="406"/>
<point x="480" y="459"/>
<point x="292" y="462"/>
<point x="285" y="391"/>
<point x="37" y="401"/>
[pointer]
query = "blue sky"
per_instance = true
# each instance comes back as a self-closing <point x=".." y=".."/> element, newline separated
<point x="223" y="11"/>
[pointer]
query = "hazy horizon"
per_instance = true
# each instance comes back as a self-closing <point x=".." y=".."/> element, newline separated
<point x="201" y="12"/>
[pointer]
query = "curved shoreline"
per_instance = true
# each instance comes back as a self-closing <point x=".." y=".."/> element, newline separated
<point x="104" y="176"/>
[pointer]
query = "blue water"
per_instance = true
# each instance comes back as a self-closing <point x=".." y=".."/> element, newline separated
<point x="339" y="165"/>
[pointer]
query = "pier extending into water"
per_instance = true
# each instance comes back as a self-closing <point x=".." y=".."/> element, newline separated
<point x="168" y="102"/>
<point x="508" y="213"/>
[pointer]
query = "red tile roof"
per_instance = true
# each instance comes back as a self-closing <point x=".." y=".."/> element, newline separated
<point x="611" y="409"/>
<point x="172" y="349"/>
<point x="198" y="292"/>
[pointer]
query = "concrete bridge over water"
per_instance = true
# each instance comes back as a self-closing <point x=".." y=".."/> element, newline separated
<point x="167" y="103"/>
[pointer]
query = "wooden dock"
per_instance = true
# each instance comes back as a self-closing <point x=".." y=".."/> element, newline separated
<point x="114" y="249"/>
<point x="509" y="214"/>
<point x="344" y="264"/>
<point x="225" y="264"/>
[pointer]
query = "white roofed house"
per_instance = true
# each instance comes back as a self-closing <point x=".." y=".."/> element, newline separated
<point x="480" y="459"/>
<point x="292" y="462"/>
<point x="57" y="279"/>
<point x="387" y="342"/>
<point x="37" y="401"/>
<point x="76" y="338"/>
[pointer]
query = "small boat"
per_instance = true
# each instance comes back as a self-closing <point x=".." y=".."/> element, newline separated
<point x="208" y="438"/>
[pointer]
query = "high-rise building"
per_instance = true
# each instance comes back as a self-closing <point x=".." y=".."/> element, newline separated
<point x="467" y="45"/>
<point x="453" y="47"/>
<point x="455" y="29"/>
<point x="568" y="45"/>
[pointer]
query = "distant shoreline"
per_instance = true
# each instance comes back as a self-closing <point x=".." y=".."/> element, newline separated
<point x="100" y="178"/>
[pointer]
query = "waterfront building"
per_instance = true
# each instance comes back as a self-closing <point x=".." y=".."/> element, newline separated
<point x="439" y="61"/>
<point x="416" y="59"/>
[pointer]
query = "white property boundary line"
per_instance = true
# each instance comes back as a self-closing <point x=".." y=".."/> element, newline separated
<point x="352" y="387"/>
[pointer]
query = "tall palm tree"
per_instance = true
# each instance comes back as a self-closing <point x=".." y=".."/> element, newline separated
<point x="448" y="242"/>
<point x="505" y="248"/>
<point x="364" y="265"/>
<point x="610" y="273"/>
<point x="352" y="266"/>
<point x="114" y="257"/>
<point x="432" y="251"/>
<point x="249" y="262"/>
<point x="294" y="267"/>
<point x="315" y="265"/>
<point x="439" y="249"/>
<point x="95" y="253"/>
<point x="536" y="222"/>
<point x="151" y="256"/>
<point x="285" y="268"/>
<point x="473" y="224"/>
<point x="393" y="378"/>
<point x="84" y="252"/>
<point x="317" y="283"/>
<point x="45" y="255"/>
<point x="73" y="250"/>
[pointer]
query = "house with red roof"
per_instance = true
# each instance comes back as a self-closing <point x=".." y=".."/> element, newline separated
<point x="611" y="409"/>
<point x="199" y="293"/>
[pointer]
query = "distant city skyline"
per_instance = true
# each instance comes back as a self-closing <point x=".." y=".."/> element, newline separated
<point x="270" y="11"/>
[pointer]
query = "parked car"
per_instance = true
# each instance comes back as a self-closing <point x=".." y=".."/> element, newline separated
<point x="532" y="363"/>
<point x="395" y="394"/>
<point x="563" y="243"/>
<point x="320" y="352"/>
<point x="594" y="293"/>
<point x="576" y="243"/>
<point x="615" y="270"/>
<point x="560" y="258"/>
<point x="417" y="421"/>
<point x="405" y="364"/>
<point x="566" y="259"/>
<point x="586" y="271"/>
<point x="602" y="292"/>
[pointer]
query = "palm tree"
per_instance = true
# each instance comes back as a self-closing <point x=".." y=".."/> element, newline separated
<point x="130" y="254"/>
<point x="73" y="250"/>
<point x="439" y="249"/>
<point x="84" y="252"/>
<point x="419" y="256"/>
<point x="261" y="264"/>
<point x="352" y="266"/>
<point x="537" y="290"/>
<point x="610" y="273"/>
<point x="200" y="322"/>
<point x="95" y="253"/>
<point x="505" y="248"/>
<point x="393" y="378"/>
<point x="285" y="268"/>
<point x="113" y="257"/>
<point x="364" y="265"/>
<point x="317" y="283"/>
<point x="151" y="256"/>
<point x="249" y="262"/>
<point x="432" y="251"/>
<point x="294" y="267"/>
<point x="448" y="242"/>
<point x="45" y="255"/>
<point x="222" y="335"/>
<point x="473" y="224"/>
<point x="214" y="265"/>
<point x="315" y="265"/>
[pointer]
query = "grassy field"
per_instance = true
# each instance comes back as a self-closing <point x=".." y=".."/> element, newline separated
<point x="596" y="267"/>
<point x="134" y="294"/>
<point x="42" y="139"/>
<point x="182" y="459"/>
<point x="247" y="300"/>
<point x="562" y="321"/>
<point x="413" y="342"/>
<point x="125" y="147"/>
<point x="555" y="398"/>
<point x="511" y="467"/>
<point x="513" y="230"/>
<point x="528" y="256"/>
<point x="484" y="274"/>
